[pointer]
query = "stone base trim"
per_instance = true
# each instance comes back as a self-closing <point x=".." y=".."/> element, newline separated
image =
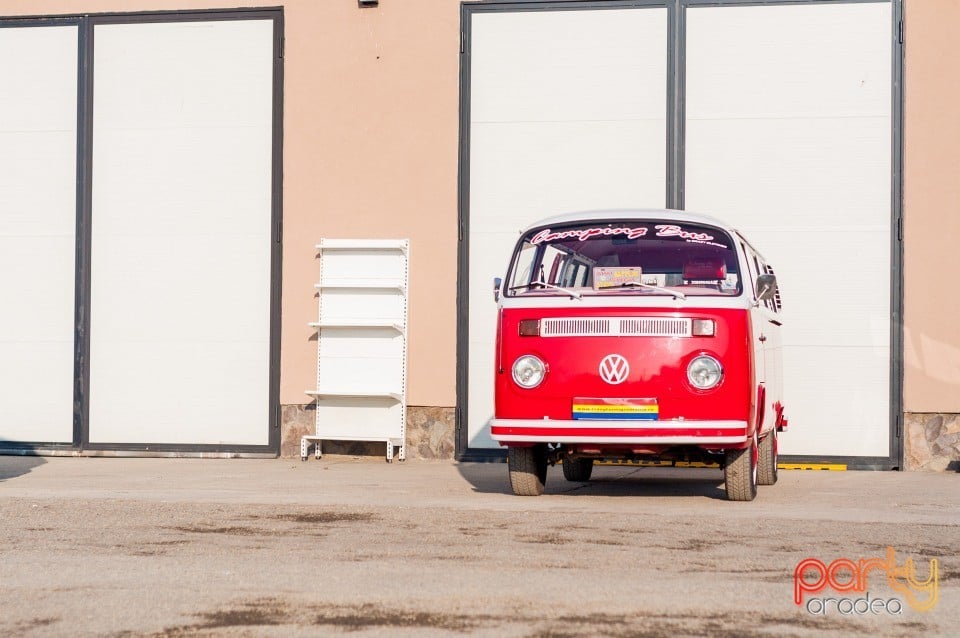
<point x="430" y="433"/>
<point x="932" y="441"/>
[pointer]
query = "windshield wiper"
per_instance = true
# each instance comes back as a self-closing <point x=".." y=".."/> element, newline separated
<point x="630" y="284"/>
<point x="573" y="293"/>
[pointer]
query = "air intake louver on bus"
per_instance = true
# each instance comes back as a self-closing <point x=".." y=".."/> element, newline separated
<point x="616" y="327"/>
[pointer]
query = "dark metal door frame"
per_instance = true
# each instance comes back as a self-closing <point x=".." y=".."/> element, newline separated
<point x="84" y="189"/>
<point x="675" y="162"/>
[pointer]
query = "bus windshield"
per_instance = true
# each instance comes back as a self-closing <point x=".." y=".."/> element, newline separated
<point x="625" y="258"/>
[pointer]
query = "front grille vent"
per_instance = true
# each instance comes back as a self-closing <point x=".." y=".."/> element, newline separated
<point x="616" y="327"/>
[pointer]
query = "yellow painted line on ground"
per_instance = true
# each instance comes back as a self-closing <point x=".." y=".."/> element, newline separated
<point x="833" y="467"/>
<point x="636" y="463"/>
<point x="658" y="463"/>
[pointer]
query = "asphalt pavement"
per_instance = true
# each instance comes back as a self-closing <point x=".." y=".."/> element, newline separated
<point x="358" y="547"/>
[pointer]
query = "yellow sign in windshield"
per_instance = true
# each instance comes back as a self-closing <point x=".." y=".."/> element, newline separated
<point x="611" y="277"/>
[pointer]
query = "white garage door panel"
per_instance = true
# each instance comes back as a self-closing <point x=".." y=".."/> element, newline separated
<point x="526" y="171"/>
<point x="789" y="61"/>
<point x="180" y="290"/>
<point x="568" y="112"/>
<point x="819" y="400"/>
<point x="543" y="66"/>
<point x="175" y="415"/>
<point x="788" y="137"/>
<point x="855" y="287"/>
<point x="38" y="118"/>
<point x="817" y="171"/>
<point x="184" y="175"/>
<point x="488" y="246"/>
<point x="199" y="313"/>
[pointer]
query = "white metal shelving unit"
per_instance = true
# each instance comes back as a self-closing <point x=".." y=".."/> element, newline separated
<point x="361" y="344"/>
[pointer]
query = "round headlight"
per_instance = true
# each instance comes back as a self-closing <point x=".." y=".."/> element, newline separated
<point x="704" y="372"/>
<point x="528" y="371"/>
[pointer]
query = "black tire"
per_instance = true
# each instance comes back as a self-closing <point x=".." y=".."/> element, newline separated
<point x="769" y="456"/>
<point x="577" y="470"/>
<point x="528" y="469"/>
<point x="740" y="473"/>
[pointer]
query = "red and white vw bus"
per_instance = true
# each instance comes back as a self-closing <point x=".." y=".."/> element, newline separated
<point x="651" y="334"/>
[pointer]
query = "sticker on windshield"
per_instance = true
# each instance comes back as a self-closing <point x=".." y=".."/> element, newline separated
<point x="622" y="233"/>
<point x="583" y="234"/>
<point x="613" y="277"/>
<point x="671" y="230"/>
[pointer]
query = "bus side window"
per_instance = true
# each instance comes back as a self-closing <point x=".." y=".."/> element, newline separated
<point x="555" y="269"/>
<point x="583" y="271"/>
<point x="569" y="276"/>
<point x="751" y="265"/>
<point x="772" y="303"/>
<point x="523" y="269"/>
<point x="552" y="259"/>
<point x="776" y="302"/>
<point x="760" y="269"/>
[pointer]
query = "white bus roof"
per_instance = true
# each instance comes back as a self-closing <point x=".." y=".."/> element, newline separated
<point x="635" y="214"/>
<point x="626" y="214"/>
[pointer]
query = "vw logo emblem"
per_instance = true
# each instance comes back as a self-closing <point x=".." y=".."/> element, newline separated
<point x="614" y="369"/>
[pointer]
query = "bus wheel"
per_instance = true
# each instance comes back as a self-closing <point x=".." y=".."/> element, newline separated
<point x="740" y="472"/>
<point x="769" y="455"/>
<point x="577" y="470"/>
<point x="528" y="469"/>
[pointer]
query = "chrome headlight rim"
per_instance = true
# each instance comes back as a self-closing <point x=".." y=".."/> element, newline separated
<point x="528" y="371"/>
<point x="704" y="364"/>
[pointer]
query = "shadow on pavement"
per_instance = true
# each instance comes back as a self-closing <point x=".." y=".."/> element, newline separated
<point x="649" y="481"/>
<point x="14" y="466"/>
<point x="488" y="478"/>
<point x="493" y="478"/>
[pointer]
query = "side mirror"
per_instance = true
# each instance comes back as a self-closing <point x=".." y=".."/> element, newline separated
<point x="766" y="287"/>
<point x="497" y="282"/>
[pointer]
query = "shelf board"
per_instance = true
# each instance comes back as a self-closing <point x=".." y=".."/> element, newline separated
<point x="339" y="437"/>
<point x="361" y="283"/>
<point x="358" y="323"/>
<point x="359" y="394"/>
<point x="363" y="244"/>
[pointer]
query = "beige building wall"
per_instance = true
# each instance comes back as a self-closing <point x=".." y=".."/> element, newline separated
<point x="370" y="150"/>
<point x="370" y="137"/>
<point x="931" y="208"/>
